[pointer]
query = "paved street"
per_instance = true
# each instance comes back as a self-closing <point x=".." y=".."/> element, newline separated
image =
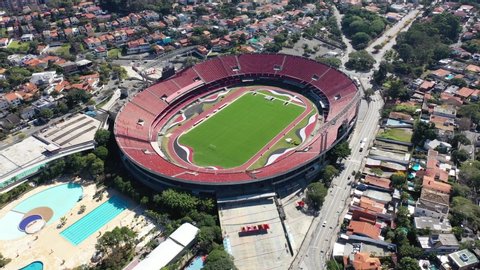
<point x="316" y="247"/>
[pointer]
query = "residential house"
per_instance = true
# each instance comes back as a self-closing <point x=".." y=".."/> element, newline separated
<point x="430" y="183"/>
<point x="14" y="99"/>
<point x="4" y="105"/>
<point x="363" y="261"/>
<point x="138" y="46"/>
<point x="44" y="78"/>
<point x="434" y="225"/>
<point x="463" y="260"/>
<point x="363" y="229"/>
<point x="439" y="243"/>
<point x="28" y="113"/>
<point x="92" y="42"/>
<point x="432" y="204"/>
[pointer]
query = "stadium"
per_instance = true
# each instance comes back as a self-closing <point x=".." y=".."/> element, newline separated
<point x="236" y="120"/>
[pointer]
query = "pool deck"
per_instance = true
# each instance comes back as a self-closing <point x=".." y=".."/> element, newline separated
<point x="51" y="248"/>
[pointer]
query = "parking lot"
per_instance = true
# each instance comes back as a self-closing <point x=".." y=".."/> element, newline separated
<point x="266" y="249"/>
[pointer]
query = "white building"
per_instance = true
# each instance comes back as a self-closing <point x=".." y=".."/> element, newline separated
<point x="169" y="250"/>
<point x="47" y="77"/>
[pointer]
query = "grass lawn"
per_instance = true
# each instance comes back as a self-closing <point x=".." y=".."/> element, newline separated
<point x="19" y="46"/>
<point x="397" y="134"/>
<point x="233" y="135"/>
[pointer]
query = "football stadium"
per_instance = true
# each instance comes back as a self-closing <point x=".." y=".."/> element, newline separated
<point x="236" y="120"/>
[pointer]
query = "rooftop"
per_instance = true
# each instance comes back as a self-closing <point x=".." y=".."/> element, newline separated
<point x="463" y="258"/>
<point x="363" y="228"/>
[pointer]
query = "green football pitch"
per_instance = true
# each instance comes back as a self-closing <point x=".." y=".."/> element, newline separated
<point x="233" y="135"/>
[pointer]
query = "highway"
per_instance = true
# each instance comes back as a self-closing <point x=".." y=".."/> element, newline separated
<point x="316" y="248"/>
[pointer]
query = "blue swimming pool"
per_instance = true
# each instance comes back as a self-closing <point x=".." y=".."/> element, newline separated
<point x="60" y="199"/>
<point x="94" y="220"/>
<point x="196" y="264"/>
<point x="38" y="265"/>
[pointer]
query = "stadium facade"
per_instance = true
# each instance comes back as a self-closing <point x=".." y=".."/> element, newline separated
<point x="143" y="120"/>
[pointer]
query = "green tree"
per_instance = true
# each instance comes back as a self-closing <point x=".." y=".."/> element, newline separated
<point x="399" y="179"/>
<point x="423" y="131"/>
<point x="331" y="61"/>
<point x="219" y="259"/>
<point x="76" y="162"/>
<point x="46" y="113"/>
<point x="408" y="263"/>
<point x="402" y="217"/>
<point x="315" y="195"/>
<point x="459" y="138"/>
<point x="329" y="172"/>
<point x="360" y="61"/>
<point x="459" y="156"/>
<point x="381" y="74"/>
<point x="207" y="236"/>
<point x="97" y="167"/>
<point x="458" y="82"/>
<point x="177" y="202"/>
<point x="102" y="136"/>
<point x="407" y="250"/>
<point x="368" y="93"/>
<point x="116" y="238"/>
<point x="360" y="40"/>
<point x="340" y="151"/>
<point x="101" y="152"/>
<point x="470" y="173"/>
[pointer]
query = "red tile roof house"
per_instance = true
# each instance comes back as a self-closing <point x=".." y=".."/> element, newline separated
<point x="430" y="183"/>
<point x="363" y="229"/>
<point x="378" y="182"/>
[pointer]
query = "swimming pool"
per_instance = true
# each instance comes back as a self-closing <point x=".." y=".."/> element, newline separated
<point x="37" y="265"/>
<point x="196" y="264"/>
<point x="51" y="203"/>
<point x="93" y="221"/>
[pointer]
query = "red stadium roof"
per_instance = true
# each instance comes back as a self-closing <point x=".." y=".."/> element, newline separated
<point x="140" y="120"/>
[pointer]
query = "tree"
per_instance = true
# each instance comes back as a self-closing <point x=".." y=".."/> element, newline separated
<point x="179" y="203"/>
<point x="76" y="162"/>
<point x="101" y="152"/>
<point x="459" y="156"/>
<point x="116" y="238"/>
<point x="46" y="113"/>
<point x="407" y="250"/>
<point x="97" y="167"/>
<point x="219" y="259"/>
<point x="315" y="195"/>
<point x="329" y="172"/>
<point x="402" y="217"/>
<point x="75" y="96"/>
<point x="367" y="94"/>
<point x="331" y="61"/>
<point x="360" y="40"/>
<point x="102" y="136"/>
<point x="470" y="173"/>
<point x="360" y="61"/>
<point x="423" y="131"/>
<point x="408" y="263"/>
<point x="381" y="74"/>
<point x="458" y="82"/>
<point x="207" y="236"/>
<point x="398" y="179"/>
<point x="460" y="138"/>
<point x="340" y="151"/>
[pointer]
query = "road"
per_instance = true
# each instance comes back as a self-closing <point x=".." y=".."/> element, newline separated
<point x="316" y="248"/>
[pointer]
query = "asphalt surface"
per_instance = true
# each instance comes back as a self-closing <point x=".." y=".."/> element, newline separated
<point x="316" y="248"/>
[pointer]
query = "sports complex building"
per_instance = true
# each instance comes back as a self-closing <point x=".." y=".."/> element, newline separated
<point x="235" y="120"/>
